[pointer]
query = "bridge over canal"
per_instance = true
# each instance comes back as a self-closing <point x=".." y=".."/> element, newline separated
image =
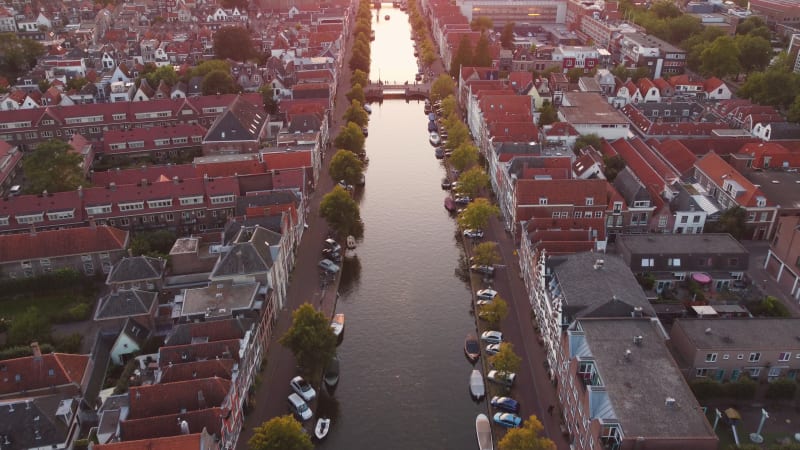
<point x="380" y="91"/>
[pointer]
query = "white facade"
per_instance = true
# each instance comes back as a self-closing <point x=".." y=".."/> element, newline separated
<point x="689" y="222"/>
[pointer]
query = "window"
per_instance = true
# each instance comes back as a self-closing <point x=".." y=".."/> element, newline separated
<point x="701" y="373"/>
<point x="170" y="217"/>
<point x="711" y="357"/>
<point x="617" y="207"/>
<point x="131" y="206"/>
<point x="755" y="356"/>
<point x="589" y="201"/>
<point x="648" y="262"/>
<point x="784" y="356"/>
<point x="45" y="264"/>
<point x="764" y="216"/>
<point x="684" y="219"/>
<point x="674" y="262"/>
<point x="191" y="200"/>
<point x="222" y="199"/>
<point x="556" y="215"/>
<point x="751" y="217"/>
<point x="200" y="213"/>
<point x="740" y="356"/>
<point x="102" y="209"/>
<point x="662" y="221"/>
<point x="542" y="200"/>
<point x="565" y="214"/>
<point x="159" y="203"/>
<point x="726" y="356"/>
<point x="755" y="372"/>
<point x="577" y="214"/>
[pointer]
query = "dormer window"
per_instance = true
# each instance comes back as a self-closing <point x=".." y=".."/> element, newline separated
<point x="761" y="202"/>
<point x="542" y="200"/>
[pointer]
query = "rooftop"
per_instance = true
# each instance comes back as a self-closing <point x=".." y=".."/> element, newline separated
<point x="589" y="108"/>
<point x="780" y="187"/>
<point x="646" y="376"/>
<point x="219" y="299"/>
<point x="720" y="243"/>
<point x="589" y="289"/>
<point x="746" y="333"/>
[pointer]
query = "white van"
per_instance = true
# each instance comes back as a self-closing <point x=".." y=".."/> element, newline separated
<point x="299" y="407"/>
<point x="15" y="190"/>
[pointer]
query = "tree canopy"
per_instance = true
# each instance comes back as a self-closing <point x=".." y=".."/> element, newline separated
<point x="506" y="360"/>
<point x="341" y="212"/>
<point x="464" y="156"/>
<point x="152" y="243"/>
<point x="19" y="55"/>
<point x="477" y="214"/>
<point x="507" y="36"/>
<point x="547" y="114"/>
<point x="356" y="114"/>
<point x="482" y="56"/>
<point x="472" y="181"/>
<point x="358" y="77"/>
<point x="346" y="166"/>
<point x="494" y="313"/>
<point x="528" y="437"/>
<point x="754" y="52"/>
<point x="219" y="82"/>
<point x="586" y="140"/>
<point x="31" y="325"/>
<point x="485" y="254"/>
<point x="613" y="165"/>
<point x="52" y="167"/>
<point x="732" y="221"/>
<point x="481" y="23"/>
<point x="234" y="43"/>
<point x="356" y="93"/>
<point x="350" y="138"/>
<point x="457" y="133"/>
<point x="721" y="58"/>
<point x="268" y="97"/>
<point x="463" y="56"/>
<point x="442" y="87"/>
<point x="310" y="339"/>
<point x="206" y="67"/>
<point x="280" y="433"/>
<point x="154" y="75"/>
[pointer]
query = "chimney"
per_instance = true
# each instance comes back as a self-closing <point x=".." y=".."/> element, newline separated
<point x="144" y="181"/>
<point x="37" y="352"/>
<point x="112" y="186"/>
<point x="176" y="180"/>
<point x="80" y="191"/>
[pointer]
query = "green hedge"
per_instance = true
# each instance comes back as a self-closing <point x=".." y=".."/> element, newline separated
<point x="59" y="279"/>
<point x="21" y="351"/>
<point x="706" y="388"/>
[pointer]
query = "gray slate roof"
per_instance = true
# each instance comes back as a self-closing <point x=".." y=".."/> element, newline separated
<point x="682" y="244"/>
<point x="745" y="333"/>
<point x="242" y="121"/>
<point x="136" y="268"/>
<point x="125" y="303"/>
<point x="639" y="385"/>
<point x="609" y="291"/>
<point x="34" y="423"/>
<point x="250" y="253"/>
<point x="630" y="187"/>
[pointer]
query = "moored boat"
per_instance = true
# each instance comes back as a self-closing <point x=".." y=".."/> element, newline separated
<point x="367" y="108"/>
<point x="387" y="17"/>
<point x="331" y="376"/>
<point x="472" y="348"/>
<point x="337" y="325"/>
<point x="450" y="204"/>
<point x="432" y="126"/>
<point x="439" y="152"/>
<point x="434" y="138"/>
<point x="483" y="430"/>
<point x="322" y="428"/>
<point x="476" y="386"/>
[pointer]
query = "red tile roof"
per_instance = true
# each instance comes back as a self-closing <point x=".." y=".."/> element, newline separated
<point x="779" y="155"/>
<point x="172" y="398"/>
<point x="166" y="425"/>
<point x="177" y="354"/>
<point x="675" y="153"/>
<point x="562" y="129"/>
<point x="648" y="176"/>
<point x="663" y="169"/>
<point x="514" y="131"/>
<point x="720" y="146"/>
<point x="179" y="442"/>
<point x="221" y="368"/>
<point x="31" y="373"/>
<point x="560" y="192"/>
<point x="62" y="242"/>
<point x="718" y="171"/>
<point x="286" y="160"/>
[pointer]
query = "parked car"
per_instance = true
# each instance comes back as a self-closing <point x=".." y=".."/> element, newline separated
<point x="15" y="190"/>
<point x="332" y="244"/>
<point x="486" y="294"/>
<point x="492" y="337"/>
<point x="499" y="377"/>
<point x="486" y="270"/>
<point x="473" y="233"/>
<point x="334" y="256"/>
<point x="302" y="388"/>
<point x="328" y="266"/>
<point x="492" y="349"/>
<point x="299" y="407"/>
<point x="484" y="302"/>
<point x="463" y="199"/>
<point x="507" y="420"/>
<point x="506" y="404"/>
<point x="446" y="183"/>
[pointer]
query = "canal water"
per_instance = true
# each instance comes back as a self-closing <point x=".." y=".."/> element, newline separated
<point x="404" y="378"/>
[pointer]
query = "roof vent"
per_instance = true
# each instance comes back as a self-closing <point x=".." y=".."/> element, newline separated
<point x="669" y="401"/>
<point x="638" y="340"/>
<point x="599" y="263"/>
<point x="627" y="354"/>
<point x="708" y="330"/>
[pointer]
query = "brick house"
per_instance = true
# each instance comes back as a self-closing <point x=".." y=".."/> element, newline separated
<point x="85" y="250"/>
<point x="726" y="349"/>
<point x="242" y="128"/>
<point x="783" y="257"/>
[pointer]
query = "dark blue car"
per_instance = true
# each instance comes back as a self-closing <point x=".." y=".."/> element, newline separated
<point x="432" y="126"/>
<point x="505" y="404"/>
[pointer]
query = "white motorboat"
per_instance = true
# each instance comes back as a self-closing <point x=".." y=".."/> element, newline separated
<point x="434" y="139"/>
<point x="337" y="325"/>
<point x="476" y="386"/>
<point x="351" y="242"/>
<point x="350" y="251"/>
<point x="322" y="428"/>
<point x="483" y="429"/>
